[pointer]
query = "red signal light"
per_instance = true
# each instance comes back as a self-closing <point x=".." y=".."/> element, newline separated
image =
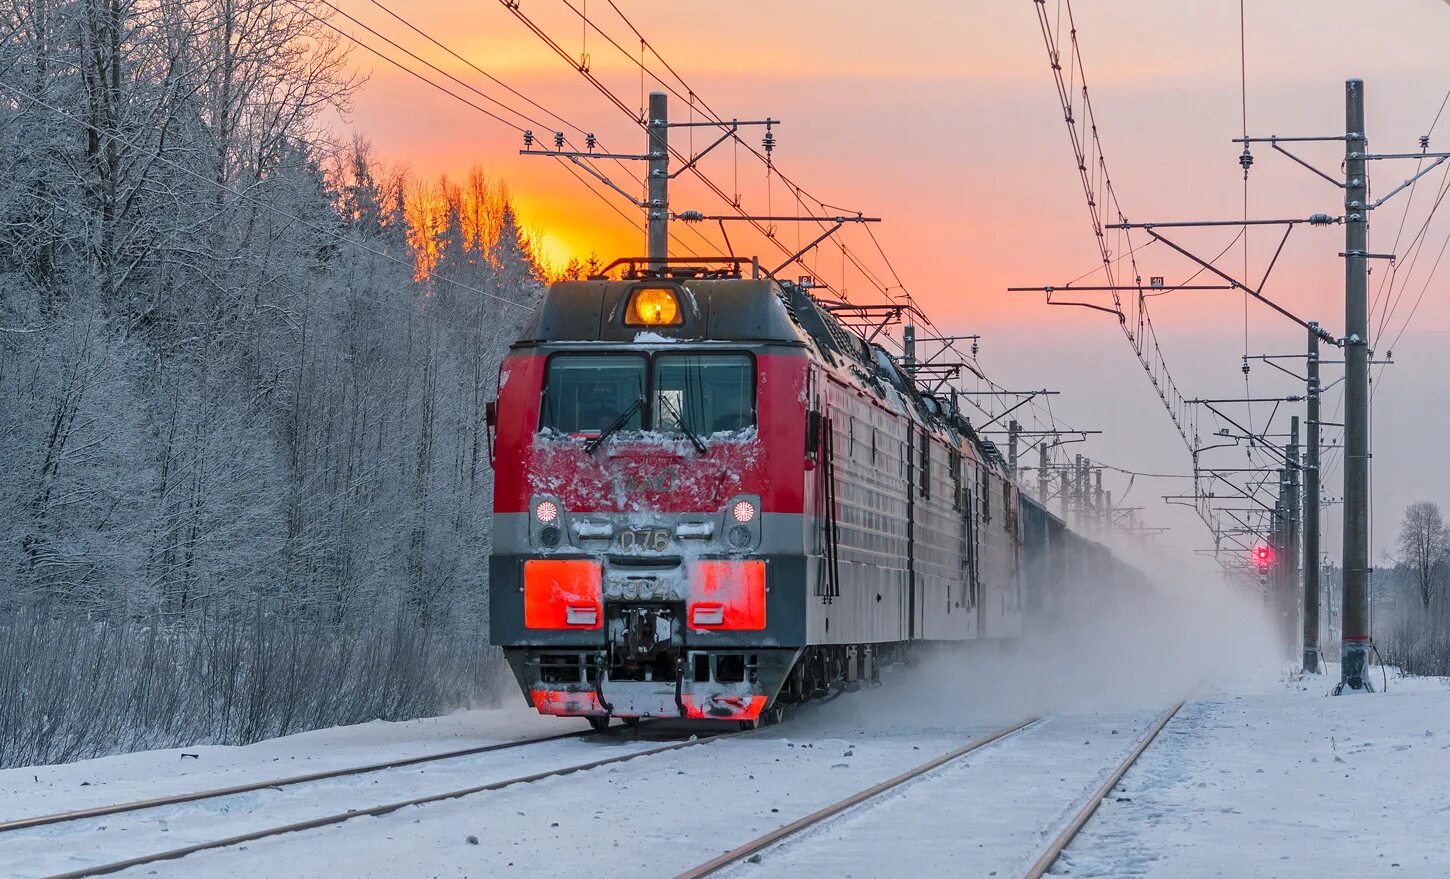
<point x="1263" y="557"/>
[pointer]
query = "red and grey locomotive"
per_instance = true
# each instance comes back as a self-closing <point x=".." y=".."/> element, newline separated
<point x="711" y="500"/>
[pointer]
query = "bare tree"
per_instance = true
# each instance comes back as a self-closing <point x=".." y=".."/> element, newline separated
<point x="1424" y="544"/>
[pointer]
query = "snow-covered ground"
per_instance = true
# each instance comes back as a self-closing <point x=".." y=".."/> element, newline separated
<point x="1262" y="777"/>
<point x="1282" y="781"/>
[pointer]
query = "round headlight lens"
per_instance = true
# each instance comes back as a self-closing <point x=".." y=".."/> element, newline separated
<point x="743" y="511"/>
<point x="739" y="536"/>
<point x="546" y="511"/>
<point x="550" y="536"/>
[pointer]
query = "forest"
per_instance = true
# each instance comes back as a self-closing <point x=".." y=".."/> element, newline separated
<point x="243" y="366"/>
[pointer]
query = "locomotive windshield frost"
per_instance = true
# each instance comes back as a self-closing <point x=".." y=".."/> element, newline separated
<point x="740" y="507"/>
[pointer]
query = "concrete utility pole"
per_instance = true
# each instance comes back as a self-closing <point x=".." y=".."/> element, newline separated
<point x="1014" y="430"/>
<point x="1098" y="509"/>
<point x="657" y="237"/>
<point x="1042" y="476"/>
<point x="1079" y="493"/>
<point x="1291" y="560"/>
<point x="1311" y="507"/>
<point x="1278" y="580"/>
<point x="1354" y="650"/>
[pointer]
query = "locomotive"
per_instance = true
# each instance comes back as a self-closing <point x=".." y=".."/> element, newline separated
<point x="712" y="500"/>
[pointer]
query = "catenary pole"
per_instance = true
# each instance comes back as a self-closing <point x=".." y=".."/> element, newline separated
<point x="1354" y="649"/>
<point x="1295" y="528"/>
<point x="1099" y="508"/>
<point x="1311" y="507"/>
<point x="1042" y="475"/>
<point x="1278" y="578"/>
<point x="1014" y="430"/>
<point x="657" y="241"/>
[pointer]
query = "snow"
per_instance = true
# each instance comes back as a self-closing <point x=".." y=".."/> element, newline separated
<point x="989" y="811"/>
<point x="1261" y="776"/>
<point x="1285" y="781"/>
<point x="122" y="778"/>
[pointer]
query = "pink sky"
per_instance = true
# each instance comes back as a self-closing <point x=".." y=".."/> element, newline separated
<point x="941" y="117"/>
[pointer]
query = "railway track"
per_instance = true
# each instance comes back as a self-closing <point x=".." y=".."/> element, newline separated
<point x="1039" y="867"/>
<point x="1054" y="850"/>
<point x="761" y="843"/>
<point x="233" y="790"/>
<point x="338" y="818"/>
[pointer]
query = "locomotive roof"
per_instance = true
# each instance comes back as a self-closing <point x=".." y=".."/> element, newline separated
<point x="735" y="310"/>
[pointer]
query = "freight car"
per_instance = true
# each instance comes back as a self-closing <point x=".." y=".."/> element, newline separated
<point x="712" y="500"/>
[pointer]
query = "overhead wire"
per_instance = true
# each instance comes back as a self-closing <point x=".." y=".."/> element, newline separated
<point x="695" y="99"/>
<point x="450" y="92"/>
<point x="608" y="93"/>
<point x="1101" y="196"/>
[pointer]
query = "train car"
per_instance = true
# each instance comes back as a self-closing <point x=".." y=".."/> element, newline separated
<point x="712" y="500"/>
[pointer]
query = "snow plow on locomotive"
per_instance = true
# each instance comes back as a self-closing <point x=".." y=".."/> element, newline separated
<point x="712" y="500"/>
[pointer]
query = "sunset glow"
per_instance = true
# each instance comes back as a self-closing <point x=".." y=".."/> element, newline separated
<point x="941" y="118"/>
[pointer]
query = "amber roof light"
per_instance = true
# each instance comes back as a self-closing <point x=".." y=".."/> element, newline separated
<point x="653" y="307"/>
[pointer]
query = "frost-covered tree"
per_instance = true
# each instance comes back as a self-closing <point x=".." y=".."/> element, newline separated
<point x="242" y="377"/>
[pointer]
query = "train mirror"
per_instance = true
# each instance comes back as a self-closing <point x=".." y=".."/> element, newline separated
<point x="490" y="421"/>
<point x="813" y="433"/>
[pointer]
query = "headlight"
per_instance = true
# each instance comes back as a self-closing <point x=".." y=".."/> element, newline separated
<point x="546" y="511"/>
<point x="743" y="511"/>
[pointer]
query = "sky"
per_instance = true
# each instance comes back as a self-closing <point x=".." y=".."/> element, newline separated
<point x="941" y="118"/>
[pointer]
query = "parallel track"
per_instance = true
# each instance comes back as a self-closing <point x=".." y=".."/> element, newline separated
<point x="324" y="821"/>
<point x="1054" y="850"/>
<point x="174" y="799"/>
<point x="775" y="836"/>
<point x="1039" y="867"/>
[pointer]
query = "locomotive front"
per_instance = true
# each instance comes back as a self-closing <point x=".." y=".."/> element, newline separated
<point x="650" y="475"/>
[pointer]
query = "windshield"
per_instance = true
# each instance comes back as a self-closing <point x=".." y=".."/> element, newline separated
<point x="585" y="394"/>
<point x="709" y="393"/>
<point x="689" y="394"/>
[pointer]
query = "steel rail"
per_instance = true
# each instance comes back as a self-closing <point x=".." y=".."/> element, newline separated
<point x="374" y="811"/>
<point x="1044" y="863"/>
<point x="249" y="787"/>
<point x="820" y="815"/>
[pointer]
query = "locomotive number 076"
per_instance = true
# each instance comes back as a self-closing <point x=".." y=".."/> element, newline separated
<point x="647" y="539"/>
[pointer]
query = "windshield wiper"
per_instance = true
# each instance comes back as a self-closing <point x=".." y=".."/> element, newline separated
<point x="593" y="445"/>
<point x="684" y="428"/>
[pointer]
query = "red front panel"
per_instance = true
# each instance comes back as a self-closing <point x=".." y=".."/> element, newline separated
<point x="563" y="594"/>
<point x="628" y="475"/>
<point x="727" y="595"/>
